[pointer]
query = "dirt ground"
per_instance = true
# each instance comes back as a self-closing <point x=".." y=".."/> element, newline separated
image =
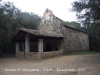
<point x="62" y="65"/>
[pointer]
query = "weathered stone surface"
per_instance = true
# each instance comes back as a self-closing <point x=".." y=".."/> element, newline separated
<point x="40" y="47"/>
<point x="51" y="54"/>
<point x="20" y="54"/>
<point x="32" y="55"/>
<point x="17" y="48"/>
<point x="27" y="45"/>
<point x="50" y="24"/>
<point x="60" y="38"/>
<point x="75" y="40"/>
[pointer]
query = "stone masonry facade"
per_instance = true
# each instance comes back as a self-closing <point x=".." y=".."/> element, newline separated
<point x="51" y="30"/>
<point x="74" y="40"/>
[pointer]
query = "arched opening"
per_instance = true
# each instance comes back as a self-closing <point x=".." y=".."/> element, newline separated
<point x="48" y="47"/>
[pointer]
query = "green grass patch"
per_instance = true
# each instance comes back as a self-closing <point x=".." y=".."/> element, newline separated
<point x="82" y="53"/>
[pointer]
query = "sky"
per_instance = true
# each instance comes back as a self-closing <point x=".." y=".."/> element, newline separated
<point x="60" y="8"/>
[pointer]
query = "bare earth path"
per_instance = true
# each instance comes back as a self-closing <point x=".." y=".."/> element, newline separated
<point x="70" y="65"/>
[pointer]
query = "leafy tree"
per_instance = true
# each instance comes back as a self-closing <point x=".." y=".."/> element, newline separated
<point x="73" y="24"/>
<point x="11" y="19"/>
<point x="30" y="20"/>
<point x="88" y="13"/>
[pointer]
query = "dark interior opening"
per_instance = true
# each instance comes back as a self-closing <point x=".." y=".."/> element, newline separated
<point x="21" y="46"/>
<point x="56" y="48"/>
<point x="48" y="47"/>
<point x="33" y="47"/>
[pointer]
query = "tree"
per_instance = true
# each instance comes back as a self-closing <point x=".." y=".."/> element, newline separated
<point x="11" y="19"/>
<point x="30" y="20"/>
<point x="88" y="13"/>
<point x="73" y="24"/>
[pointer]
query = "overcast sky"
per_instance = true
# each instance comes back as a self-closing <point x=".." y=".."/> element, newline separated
<point x="60" y="8"/>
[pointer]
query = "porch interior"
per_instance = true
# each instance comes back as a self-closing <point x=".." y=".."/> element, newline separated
<point x="49" y="44"/>
<point x="33" y="46"/>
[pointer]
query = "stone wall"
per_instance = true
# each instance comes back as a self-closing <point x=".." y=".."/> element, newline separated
<point x="75" y="40"/>
<point x="20" y="54"/>
<point x="44" y="55"/>
<point x="27" y="44"/>
<point x="51" y="54"/>
<point x="32" y="55"/>
<point x="50" y="24"/>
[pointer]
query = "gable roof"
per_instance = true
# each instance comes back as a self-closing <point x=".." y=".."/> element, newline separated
<point x="22" y="31"/>
<point x="51" y="12"/>
<point x="36" y="32"/>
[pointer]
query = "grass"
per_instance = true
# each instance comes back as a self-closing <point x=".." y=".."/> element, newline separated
<point x="83" y="53"/>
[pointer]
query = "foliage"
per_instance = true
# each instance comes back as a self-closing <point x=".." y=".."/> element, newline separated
<point x="88" y="13"/>
<point x="73" y="24"/>
<point x="30" y="20"/>
<point x="11" y="19"/>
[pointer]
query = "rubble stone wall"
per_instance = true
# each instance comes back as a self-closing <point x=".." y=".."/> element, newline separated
<point x="51" y="54"/>
<point x="20" y="54"/>
<point x="75" y="40"/>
